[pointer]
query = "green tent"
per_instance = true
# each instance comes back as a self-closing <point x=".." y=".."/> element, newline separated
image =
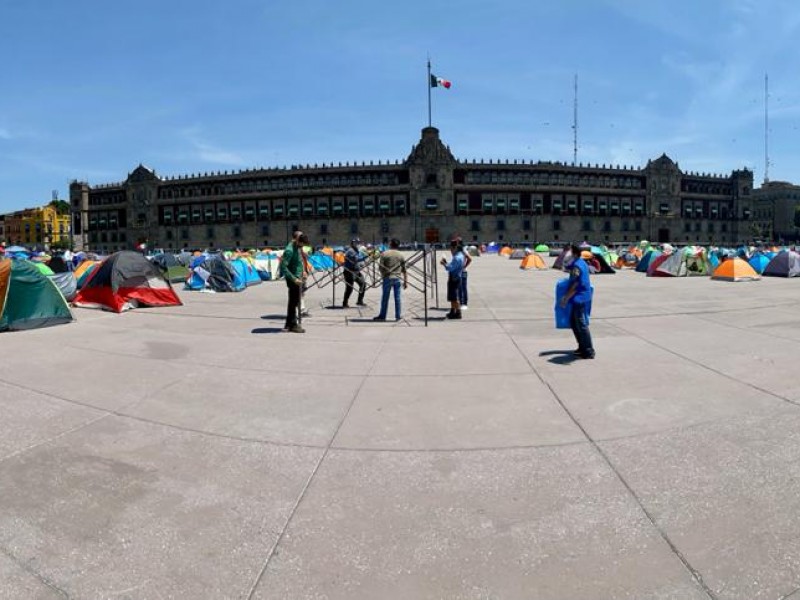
<point x="28" y="299"/>
<point x="43" y="268"/>
<point x="542" y="248"/>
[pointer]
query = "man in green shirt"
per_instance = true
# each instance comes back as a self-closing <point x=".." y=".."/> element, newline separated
<point x="293" y="271"/>
<point x="393" y="267"/>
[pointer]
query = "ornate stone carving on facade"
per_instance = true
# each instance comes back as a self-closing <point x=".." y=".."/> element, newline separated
<point x="142" y="174"/>
<point x="430" y="150"/>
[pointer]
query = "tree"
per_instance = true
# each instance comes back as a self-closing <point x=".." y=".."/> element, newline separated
<point x="61" y="206"/>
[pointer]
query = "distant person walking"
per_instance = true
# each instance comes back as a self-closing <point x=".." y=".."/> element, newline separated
<point x="454" y="270"/>
<point x="354" y="261"/>
<point x="292" y="269"/>
<point x="579" y="293"/>
<point x="392" y="266"/>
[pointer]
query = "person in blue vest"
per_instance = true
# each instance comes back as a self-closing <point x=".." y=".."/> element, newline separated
<point x="579" y="294"/>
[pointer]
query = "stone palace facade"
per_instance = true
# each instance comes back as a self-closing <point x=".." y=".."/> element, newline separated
<point x="427" y="197"/>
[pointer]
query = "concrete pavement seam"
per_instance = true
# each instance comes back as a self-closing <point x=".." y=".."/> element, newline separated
<point x="314" y="472"/>
<point x="698" y="578"/>
<point x="708" y="368"/>
<point x="44" y="580"/>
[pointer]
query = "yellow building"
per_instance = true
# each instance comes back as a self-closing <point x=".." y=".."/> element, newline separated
<point x="42" y="227"/>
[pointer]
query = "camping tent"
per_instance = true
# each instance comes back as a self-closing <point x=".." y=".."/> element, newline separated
<point x="172" y="268"/>
<point x="759" y="262"/>
<point x="246" y="270"/>
<point x="532" y="261"/>
<point x="785" y="264"/>
<point x="126" y="280"/>
<point x="84" y="270"/>
<point x="216" y="274"/>
<point x="28" y="299"/>
<point x="563" y="258"/>
<point x="645" y="262"/>
<point x="518" y="254"/>
<point x="542" y="248"/>
<point x="66" y="284"/>
<point x="735" y="269"/>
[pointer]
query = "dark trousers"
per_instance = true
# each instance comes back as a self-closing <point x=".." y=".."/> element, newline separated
<point x="579" y="323"/>
<point x="293" y="305"/>
<point x="351" y="278"/>
<point x="463" y="296"/>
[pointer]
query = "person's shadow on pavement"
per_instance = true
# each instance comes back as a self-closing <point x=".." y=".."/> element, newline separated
<point x="560" y="357"/>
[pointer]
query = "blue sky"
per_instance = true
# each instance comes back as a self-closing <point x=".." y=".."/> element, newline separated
<point x="90" y="88"/>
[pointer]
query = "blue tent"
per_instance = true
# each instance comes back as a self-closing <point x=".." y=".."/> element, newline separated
<point x="220" y="276"/>
<point x="492" y="248"/>
<point x="321" y="262"/>
<point x="246" y="271"/>
<point x="759" y="262"/>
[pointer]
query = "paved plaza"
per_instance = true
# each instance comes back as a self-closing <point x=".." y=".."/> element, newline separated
<point x="199" y="452"/>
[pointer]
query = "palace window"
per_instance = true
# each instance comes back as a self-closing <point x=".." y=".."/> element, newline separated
<point x="526" y="224"/>
<point x="475" y="225"/>
<point x="369" y="205"/>
<point x="431" y="204"/>
<point x="501" y="225"/>
<point x="322" y="208"/>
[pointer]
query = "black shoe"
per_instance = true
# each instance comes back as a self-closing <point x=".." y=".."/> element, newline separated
<point x="456" y="315"/>
<point x="378" y="318"/>
<point x="360" y="304"/>
<point x="345" y="306"/>
<point x="578" y="352"/>
<point x="297" y="329"/>
<point x="587" y="355"/>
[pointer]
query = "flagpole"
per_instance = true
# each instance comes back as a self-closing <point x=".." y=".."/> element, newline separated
<point x="429" y="92"/>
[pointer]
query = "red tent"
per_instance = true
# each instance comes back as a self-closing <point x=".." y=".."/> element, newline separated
<point x="126" y="280"/>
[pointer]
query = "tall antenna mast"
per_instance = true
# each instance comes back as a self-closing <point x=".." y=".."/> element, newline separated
<point x="766" y="127"/>
<point x="575" y="124"/>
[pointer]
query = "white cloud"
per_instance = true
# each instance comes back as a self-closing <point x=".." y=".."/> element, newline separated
<point x="209" y="152"/>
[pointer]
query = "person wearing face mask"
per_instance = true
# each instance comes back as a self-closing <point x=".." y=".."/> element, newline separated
<point x="579" y="294"/>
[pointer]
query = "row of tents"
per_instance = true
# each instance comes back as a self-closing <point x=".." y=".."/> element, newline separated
<point x="691" y="261"/>
<point x="31" y="298"/>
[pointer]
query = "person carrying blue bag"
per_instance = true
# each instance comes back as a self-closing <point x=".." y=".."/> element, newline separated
<point x="579" y="296"/>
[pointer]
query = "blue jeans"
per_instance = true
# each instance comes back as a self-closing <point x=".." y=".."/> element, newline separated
<point x="462" y="290"/>
<point x="580" y="327"/>
<point x="388" y="285"/>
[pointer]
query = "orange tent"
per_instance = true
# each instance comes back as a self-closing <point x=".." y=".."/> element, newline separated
<point x="339" y="257"/>
<point x="327" y="250"/>
<point x="532" y="261"/>
<point x="505" y="251"/>
<point x="735" y="269"/>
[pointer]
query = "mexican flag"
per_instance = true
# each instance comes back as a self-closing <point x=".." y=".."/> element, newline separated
<point x="440" y="82"/>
